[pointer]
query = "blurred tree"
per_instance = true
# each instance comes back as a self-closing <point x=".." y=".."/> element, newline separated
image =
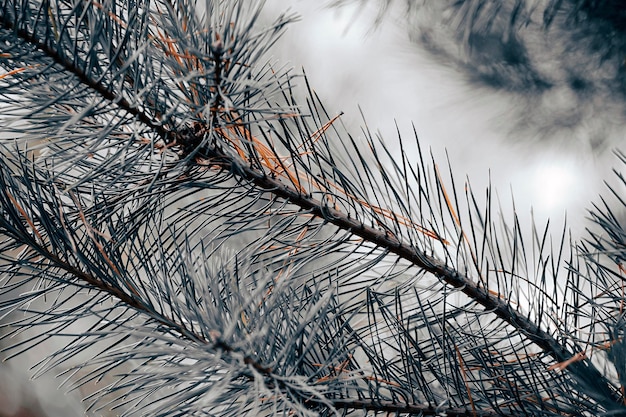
<point x="194" y="239"/>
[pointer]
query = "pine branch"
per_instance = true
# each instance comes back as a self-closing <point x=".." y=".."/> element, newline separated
<point x="71" y="67"/>
<point x="245" y="251"/>
<point x="583" y="370"/>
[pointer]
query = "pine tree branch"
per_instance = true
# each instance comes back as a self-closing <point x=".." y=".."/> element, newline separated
<point x="72" y="68"/>
<point x="417" y="409"/>
<point x="131" y="301"/>
<point x="584" y="371"/>
<point x="218" y="133"/>
<point x="17" y="225"/>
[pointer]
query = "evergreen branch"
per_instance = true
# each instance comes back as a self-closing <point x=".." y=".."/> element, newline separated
<point x="417" y="409"/>
<point x="19" y="226"/>
<point x="72" y="68"/>
<point x="364" y="291"/>
<point x="583" y="370"/>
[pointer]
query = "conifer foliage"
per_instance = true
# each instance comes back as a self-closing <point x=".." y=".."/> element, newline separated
<point x="195" y="234"/>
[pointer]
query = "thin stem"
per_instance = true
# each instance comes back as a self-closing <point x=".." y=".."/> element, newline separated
<point x="417" y="409"/>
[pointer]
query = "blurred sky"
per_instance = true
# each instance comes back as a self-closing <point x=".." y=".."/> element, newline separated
<point x="351" y="63"/>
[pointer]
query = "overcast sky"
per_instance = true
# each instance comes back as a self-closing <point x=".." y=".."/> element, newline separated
<point x="350" y="64"/>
